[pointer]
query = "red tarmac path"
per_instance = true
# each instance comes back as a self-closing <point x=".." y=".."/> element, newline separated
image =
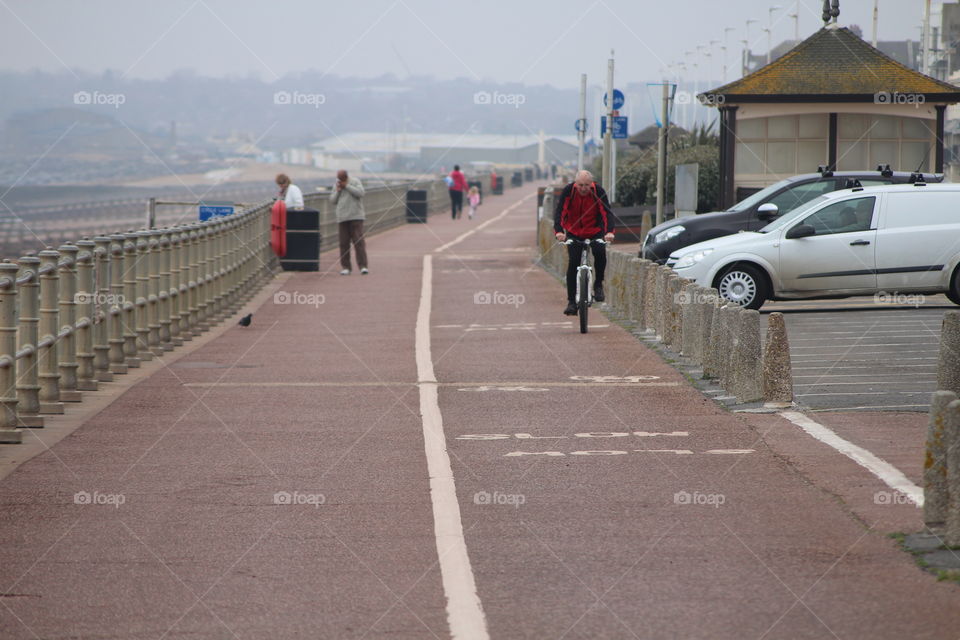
<point x="630" y="507"/>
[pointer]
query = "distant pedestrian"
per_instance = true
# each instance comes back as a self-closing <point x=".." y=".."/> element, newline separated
<point x="474" y="199"/>
<point x="348" y="200"/>
<point x="289" y="192"/>
<point x="457" y="185"/>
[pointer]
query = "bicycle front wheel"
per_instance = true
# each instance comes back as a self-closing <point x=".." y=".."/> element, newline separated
<point x="582" y="304"/>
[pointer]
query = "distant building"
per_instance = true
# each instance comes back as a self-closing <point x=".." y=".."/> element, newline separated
<point x="430" y="151"/>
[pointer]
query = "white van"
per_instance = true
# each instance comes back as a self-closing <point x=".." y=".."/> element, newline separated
<point x="892" y="238"/>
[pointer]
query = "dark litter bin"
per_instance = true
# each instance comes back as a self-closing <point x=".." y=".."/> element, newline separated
<point x="478" y="185"/>
<point x="303" y="241"/>
<point x="517" y="179"/>
<point x="416" y="205"/>
<point x="528" y="174"/>
<point x="496" y="185"/>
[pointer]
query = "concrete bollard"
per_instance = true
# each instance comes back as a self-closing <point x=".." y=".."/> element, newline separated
<point x="728" y="343"/>
<point x="633" y="289"/>
<point x="935" y="496"/>
<point x="746" y="361"/>
<point x="673" y="337"/>
<point x="648" y="317"/>
<point x="689" y="331"/>
<point x="704" y="311"/>
<point x="777" y="372"/>
<point x="952" y="430"/>
<point x="614" y="278"/>
<point x="711" y="350"/>
<point x="639" y="294"/>
<point x="948" y="367"/>
<point x="659" y="304"/>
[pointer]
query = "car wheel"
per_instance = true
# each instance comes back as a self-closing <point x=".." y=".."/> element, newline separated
<point x="953" y="293"/>
<point x="743" y="284"/>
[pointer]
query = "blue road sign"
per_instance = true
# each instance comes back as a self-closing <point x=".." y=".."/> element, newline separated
<point x="619" y="126"/>
<point x="215" y="210"/>
<point x="618" y="99"/>
<point x="580" y="124"/>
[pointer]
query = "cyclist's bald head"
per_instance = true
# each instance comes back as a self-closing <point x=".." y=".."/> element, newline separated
<point x="584" y="177"/>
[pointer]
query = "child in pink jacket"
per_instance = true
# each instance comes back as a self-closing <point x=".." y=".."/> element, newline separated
<point x="474" y="199"/>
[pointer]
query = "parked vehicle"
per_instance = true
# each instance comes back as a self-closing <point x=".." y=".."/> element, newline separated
<point x="759" y="209"/>
<point x="897" y="238"/>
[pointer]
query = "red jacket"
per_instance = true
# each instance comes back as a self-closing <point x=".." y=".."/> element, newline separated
<point x="459" y="181"/>
<point x="594" y="220"/>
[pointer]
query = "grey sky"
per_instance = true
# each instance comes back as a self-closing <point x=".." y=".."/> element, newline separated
<point x="529" y="41"/>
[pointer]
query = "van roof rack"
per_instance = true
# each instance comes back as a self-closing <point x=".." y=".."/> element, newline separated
<point x="825" y="171"/>
<point x="885" y="170"/>
<point x="917" y="179"/>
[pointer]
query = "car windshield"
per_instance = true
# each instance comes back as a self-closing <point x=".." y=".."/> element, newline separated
<point x="759" y="196"/>
<point x="794" y="215"/>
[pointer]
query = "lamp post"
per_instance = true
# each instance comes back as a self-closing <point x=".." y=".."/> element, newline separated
<point x="726" y="31"/>
<point x="746" y="55"/>
<point x="769" y="30"/>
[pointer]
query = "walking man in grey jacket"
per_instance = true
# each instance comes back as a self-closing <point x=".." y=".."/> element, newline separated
<point x="348" y="200"/>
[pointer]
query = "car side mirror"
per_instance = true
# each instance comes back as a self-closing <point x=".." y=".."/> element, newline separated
<point x="768" y="211"/>
<point x="801" y="231"/>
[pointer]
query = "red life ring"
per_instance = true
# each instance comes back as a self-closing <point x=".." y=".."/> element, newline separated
<point x="278" y="228"/>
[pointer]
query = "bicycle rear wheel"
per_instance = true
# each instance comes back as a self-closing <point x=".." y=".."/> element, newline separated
<point x="582" y="304"/>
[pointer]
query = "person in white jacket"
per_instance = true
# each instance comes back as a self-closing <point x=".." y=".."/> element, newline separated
<point x="347" y="200"/>
<point x="291" y="194"/>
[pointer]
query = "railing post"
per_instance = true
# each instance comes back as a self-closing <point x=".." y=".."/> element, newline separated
<point x="186" y="284"/>
<point x="173" y="290"/>
<point x="86" y="306"/>
<point x="196" y="281"/>
<point x="49" y="315"/>
<point x="129" y="271"/>
<point x="116" y="310"/>
<point x="8" y="353"/>
<point x="66" y="334"/>
<point x="204" y="277"/>
<point x="165" y="303"/>
<point x="216" y="272"/>
<point x="28" y="381"/>
<point x="141" y="303"/>
<point x="101" y="329"/>
<point x="153" y="293"/>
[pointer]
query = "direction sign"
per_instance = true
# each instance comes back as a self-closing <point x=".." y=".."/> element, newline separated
<point x="580" y="124"/>
<point x="215" y="210"/>
<point x="618" y="99"/>
<point x="619" y="126"/>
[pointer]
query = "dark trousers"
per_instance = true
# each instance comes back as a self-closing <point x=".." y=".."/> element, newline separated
<point x="351" y="232"/>
<point x="456" y="203"/>
<point x="574" y="253"/>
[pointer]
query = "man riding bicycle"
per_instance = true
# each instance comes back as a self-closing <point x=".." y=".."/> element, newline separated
<point x="582" y="212"/>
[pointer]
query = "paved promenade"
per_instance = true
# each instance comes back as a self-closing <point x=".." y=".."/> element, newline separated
<point x="434" y="450"/>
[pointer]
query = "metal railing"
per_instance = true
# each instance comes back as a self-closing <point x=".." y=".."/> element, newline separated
<point x="79" y="315"/>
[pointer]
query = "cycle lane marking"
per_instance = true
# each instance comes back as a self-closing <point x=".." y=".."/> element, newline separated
<point x="886" y="472"/>
<point x="465" y="615"/>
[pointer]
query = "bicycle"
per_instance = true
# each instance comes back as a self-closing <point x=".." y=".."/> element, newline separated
<point x="585" y="280"/>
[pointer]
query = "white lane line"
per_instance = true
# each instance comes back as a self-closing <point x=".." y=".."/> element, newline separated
<point x="480" y="227"/>
<point x="464" y="611"/>
<point x="889" y="474"/>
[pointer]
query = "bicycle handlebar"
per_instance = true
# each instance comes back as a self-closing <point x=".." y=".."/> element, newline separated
<point x="587" y="241"/>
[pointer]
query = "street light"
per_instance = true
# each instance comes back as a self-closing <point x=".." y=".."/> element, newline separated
<point x="746" y="56"/>
<point x="769" y="30"/>
<point x="726" y="30"/>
